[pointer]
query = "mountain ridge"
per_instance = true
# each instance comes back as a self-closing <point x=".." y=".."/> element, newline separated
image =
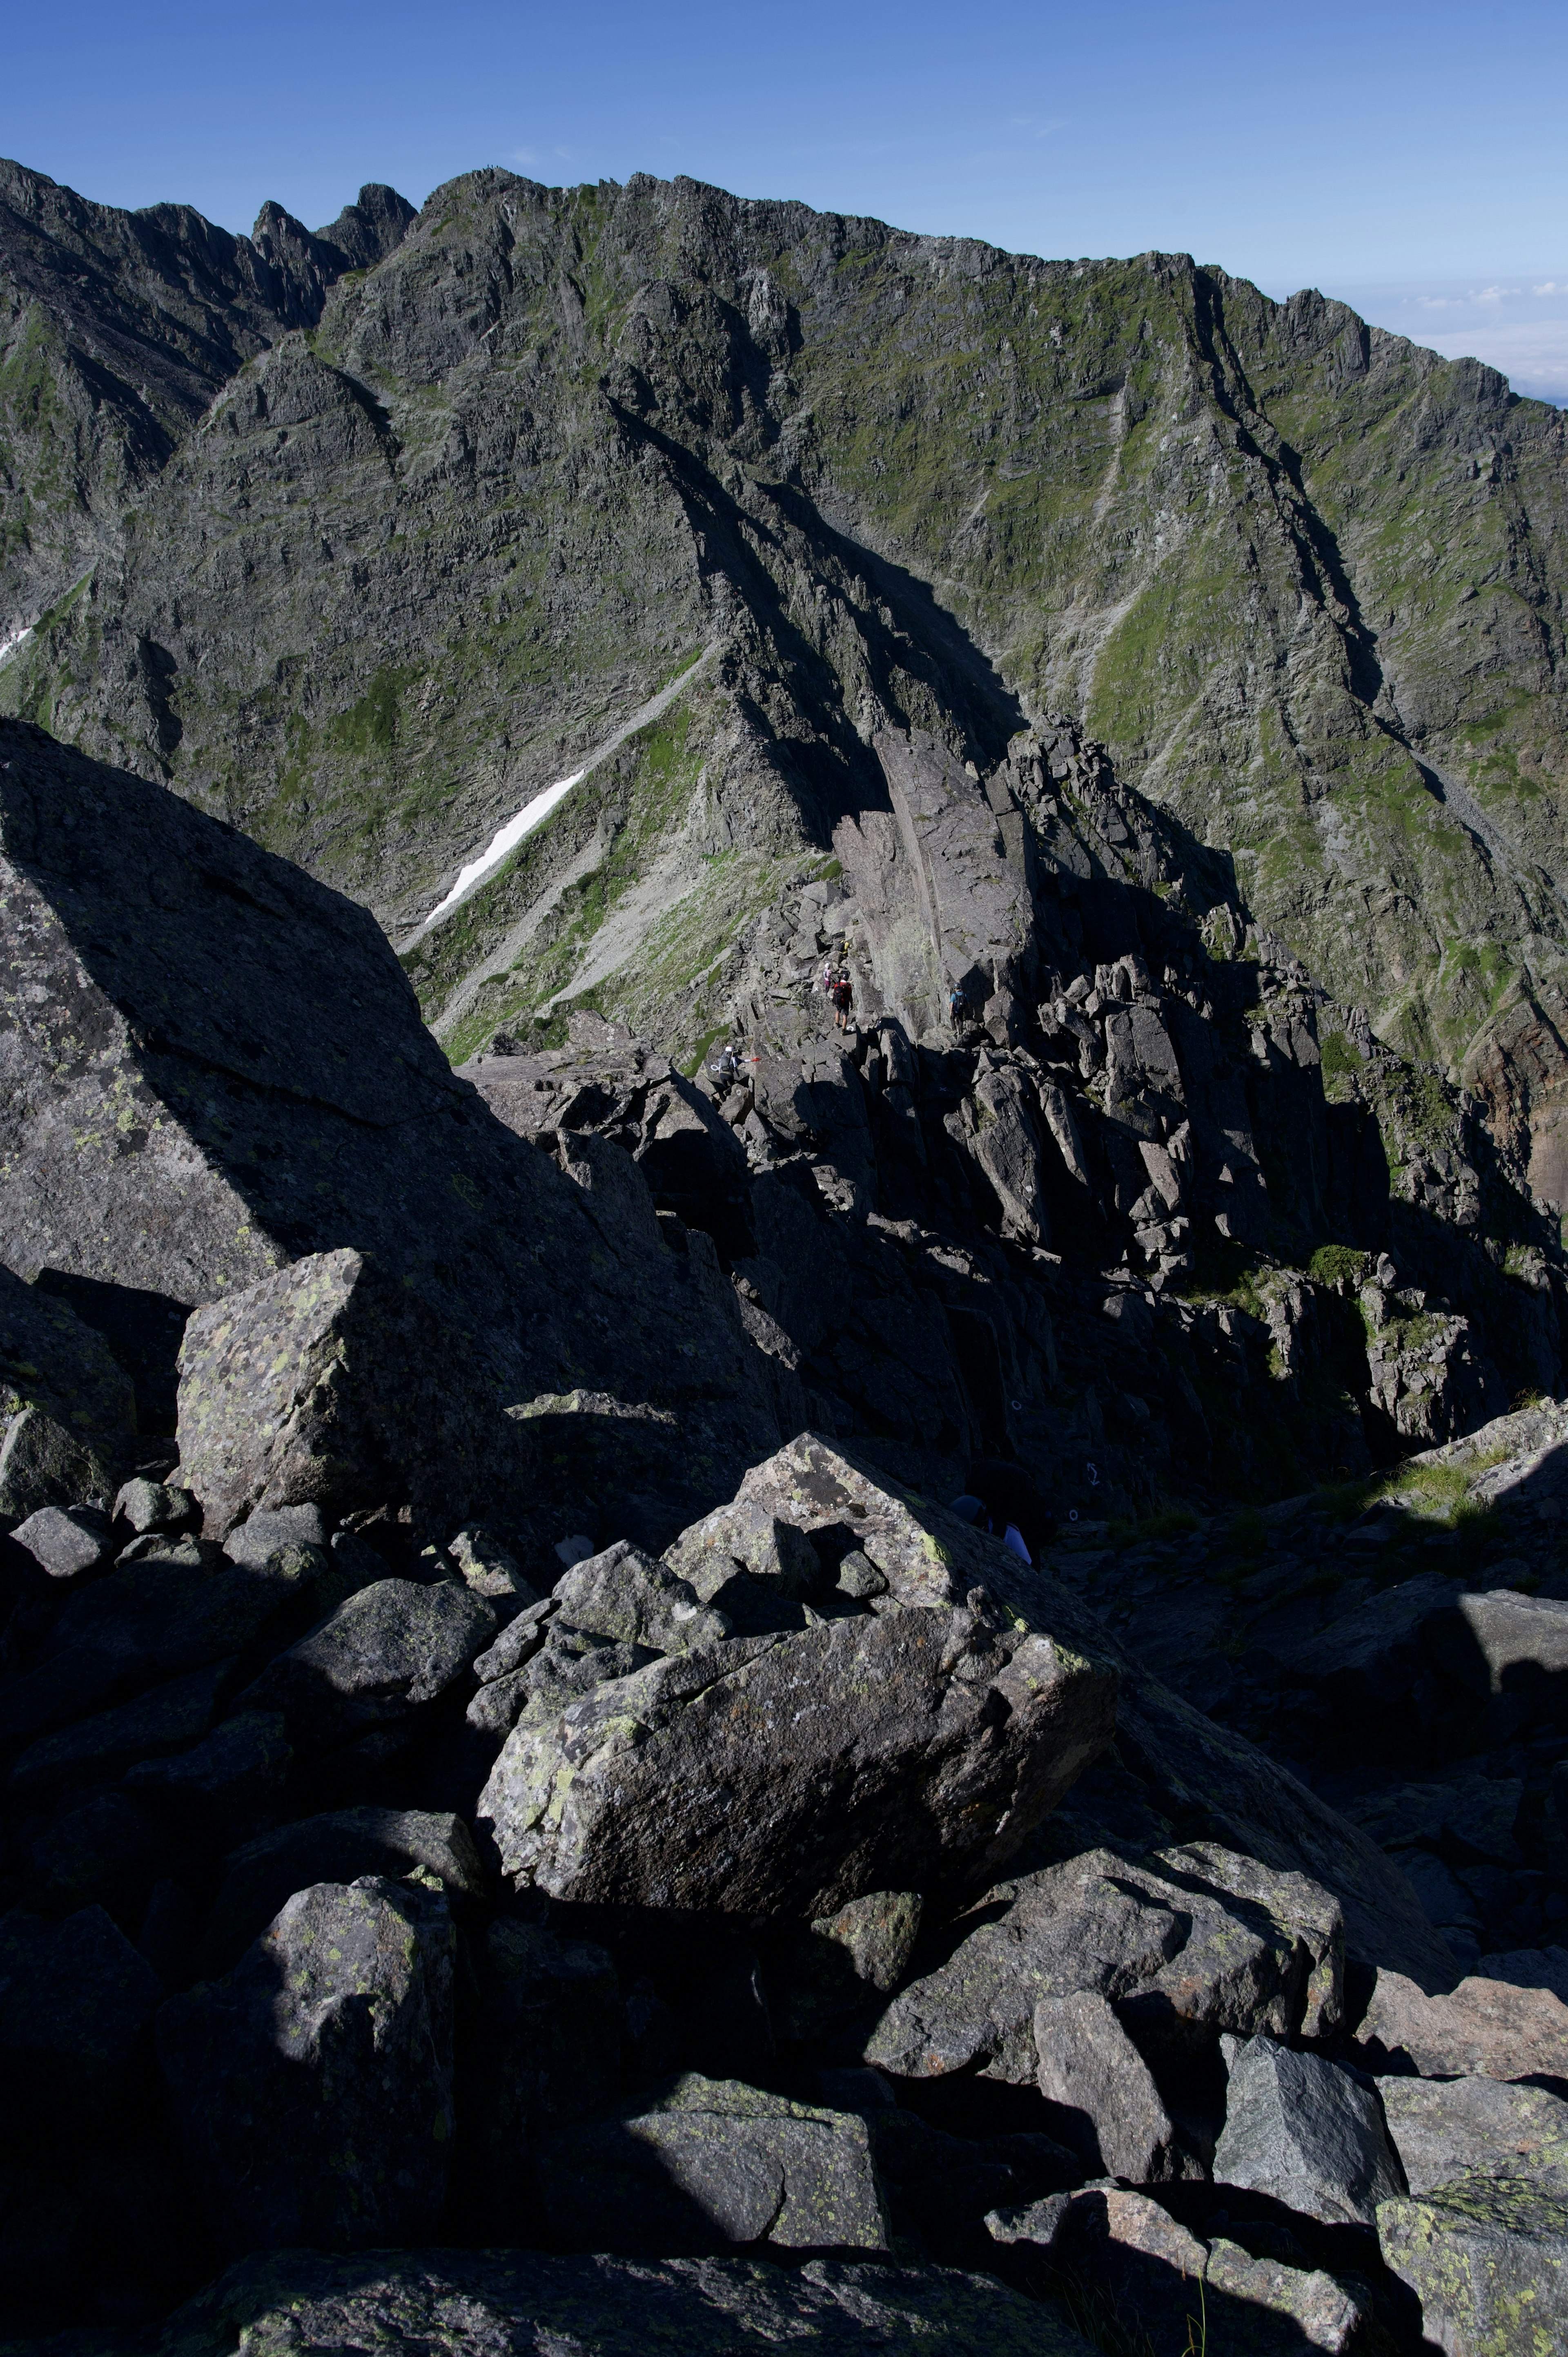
<point x="1300" y="579"/>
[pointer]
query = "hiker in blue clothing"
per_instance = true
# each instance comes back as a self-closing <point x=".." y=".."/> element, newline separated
<point x="1000" y="1499"/>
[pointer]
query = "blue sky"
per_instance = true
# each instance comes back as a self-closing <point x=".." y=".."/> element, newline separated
<point x="1411" y="159"/>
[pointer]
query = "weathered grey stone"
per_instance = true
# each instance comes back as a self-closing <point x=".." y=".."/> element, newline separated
<point x="1488" y="2259"/>
<point x="313" y="2087"/>
<point x="711" y="2163"/>
<point x="1447" y="2128"/>
<point x="461" y="2303"/>
<point x="340" y="1846"/>
<point x="1262" y="2308"/>
<point x="571" y="1663"/>
<point x="1167" y="1939"/>
<point x="852" y="1757"/>
<point x="545" y="2053"/>
<point x="632" y="1599"/>
<point x="1545" y="1968"/>
<point x="1305" y="2131"/>
<point x="1368" y="1661"/>
<point x="1479" y="2029"/>
<point x="374" y="1660"/>
<point x="64" y="1544"/>
<point x="96" y="1749"/>
<point x="143" y="1505"/>
<point x="268" y="1530"/>
<point x="75" y="1999"/>
<point x="1104" y="2102"/>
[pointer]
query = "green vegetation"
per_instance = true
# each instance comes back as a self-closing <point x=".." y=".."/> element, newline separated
<point x="1339" y="1264"/>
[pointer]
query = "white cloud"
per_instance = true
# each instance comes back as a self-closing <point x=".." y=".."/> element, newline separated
<point x="1532" y="354"/>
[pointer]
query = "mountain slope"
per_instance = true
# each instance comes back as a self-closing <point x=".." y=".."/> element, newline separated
<point x="1303" y="581"/>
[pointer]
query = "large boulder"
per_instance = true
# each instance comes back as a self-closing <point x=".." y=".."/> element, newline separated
<point x="1170" y="1941"/>
<point x="471" y="2303"/>
<point x="709" y="2163"/>
<point x="341" y="1847"/>
<point x="912" y="1749"/>
<point x="1104" y="2102"/>
<point x="313" y="2087"/>
<point x="331" y="1383"/>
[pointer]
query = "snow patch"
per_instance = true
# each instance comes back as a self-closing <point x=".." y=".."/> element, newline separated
<point x="17" y="638"/>
<point x="505" y="839"/>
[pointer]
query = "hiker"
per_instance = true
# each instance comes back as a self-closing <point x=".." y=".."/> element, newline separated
<point x="726" y="1065"/>
<point x="826" y="985"/>
<point x="1002" y="1499"/>
<point x="843" y="998"/>
<point x="958" y="1007"/>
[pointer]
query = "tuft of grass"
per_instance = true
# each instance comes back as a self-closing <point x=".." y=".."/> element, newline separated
<point x="1339" y="1264"/>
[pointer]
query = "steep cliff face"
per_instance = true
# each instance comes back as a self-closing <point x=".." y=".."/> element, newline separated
<point x="1302" y="581"/>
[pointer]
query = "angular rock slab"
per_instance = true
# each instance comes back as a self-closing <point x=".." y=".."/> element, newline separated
<point x="68" y="1411"/>
<point x="1306" y="2132"/>
<point x="792" y="1774"/>
<point x="313" y="2087"/>
<point x="710" y="2164"/>
<point x="1481" y="2030"/>
<point x="1183" y="1939"/>
<point x="1105" y="2104"/>
<point x="1488" y="2259"/>
<point x="472" y="2303"/>
<point x="1447" y="2128"/>
<point x="331" y="1384"/>
<point x="340" y="1846"/>
<point x="629" y="1598"/>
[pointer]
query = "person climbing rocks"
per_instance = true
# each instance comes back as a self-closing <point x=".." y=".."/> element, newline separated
<point x="958" y="1007"/>
<point x="1002" y="1499"/>
<point x="843" y="998"/>
<point x="726" y="1065"/>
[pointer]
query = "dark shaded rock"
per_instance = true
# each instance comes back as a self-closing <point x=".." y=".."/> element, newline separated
<point x="1369" y="1661"/>
<point x="1307" y="2132"/>
<point x="467" y="2303"/>
<point x="98" y="1749"/>
<point x="148" y="1623"/>
<point x="68" y="1409"/>
<point x="64" y="1544"/>
<point x="372" y="1662"/>
<point x="1488" y="2259"/>
<point x="313" y="2087"/>
<point x="108" y="1849"/>
<point x="1505" y="1648"/>
<point x="223" y="1784"/>
<point x="75" y="1998"/>
<point x="1104" y="2102"/>
<point x="712" y="2163"/>
<point x="1480" y="2029"/>
<point x="912" y="1741"/>
<point x="1447" y="2128"/>
<point x="1177" y="2293"/>
<point x="341" y="1847"/>
<point x="519" y="1641"/>
<point x="844" y="1961"/>
<point x="540" y="2051"/>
